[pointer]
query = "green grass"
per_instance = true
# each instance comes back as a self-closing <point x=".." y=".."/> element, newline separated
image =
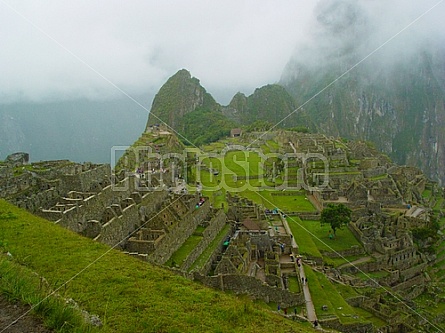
<point x="312" y="238"/>
<point x="380" y="177"/>
<point x="426" y="194"/>
<point x="293" y="284"/>
<point x="438" y="204"/>
<point x="181" y="254"/>
<point x="205" y="255"/>
<point x="127" y="294"/>
<point x="303" y="238"/>
<point x="18" y="283"/>
<point x="335" y="262"/>
<point x="323" y="292"/>
<point x="294" y="203"/>
<point x="372" y="275"/>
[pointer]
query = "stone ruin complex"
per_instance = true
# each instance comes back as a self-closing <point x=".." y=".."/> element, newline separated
<point x="257" y="253"/>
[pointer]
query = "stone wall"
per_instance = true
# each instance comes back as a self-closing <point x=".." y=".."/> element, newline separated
<point x="215" y="226"/>
<point x="184" y="228"/>
<point x="94" y="207"/>
<point x="334" y="323"/>
<point x="242" y="284"/>
<point x="215" y="255"/>
<point x="115" y="231"/>
<point x="82" y="181"/>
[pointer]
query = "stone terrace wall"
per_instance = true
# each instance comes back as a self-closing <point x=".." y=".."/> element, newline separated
<point x="178" y="235"/>
<point x="242" y="284"/>
<point x="117" y="229"/>
<point x="334" y="323"/>
<point x="82" y="181"/>
<point x="215" y="226"/>
<point x="93" y="207"/>
<point x="214" y="257"/>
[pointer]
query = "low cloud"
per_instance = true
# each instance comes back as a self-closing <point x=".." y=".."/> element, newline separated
<point x="54" y="50"/>
<point x="343" y="31"/>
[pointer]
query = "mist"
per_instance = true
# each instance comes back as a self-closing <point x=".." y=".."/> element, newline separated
<point x="74" y="70"/>
<point x="60" y="50"/>
<point x="379" y="33"/>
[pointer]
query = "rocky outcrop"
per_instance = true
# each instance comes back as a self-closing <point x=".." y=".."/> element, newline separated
<point x="180" y="95"/>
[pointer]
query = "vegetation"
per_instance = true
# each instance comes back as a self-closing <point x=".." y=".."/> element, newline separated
<point x="336" y="216"/>
<point x="259" y="125"/>
<point x="202" y="126"/>
<point x="18" y="283"/>
<point x="313" y="239"/>
<point x="127" y="294"/>
<point x="325" y="293"/>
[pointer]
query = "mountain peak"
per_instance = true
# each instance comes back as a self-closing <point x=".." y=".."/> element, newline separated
<point x="181" y="94"/>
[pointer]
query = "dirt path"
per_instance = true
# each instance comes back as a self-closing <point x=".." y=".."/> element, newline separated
<point x="311" y="315"/>
<point x="11" y="311"/>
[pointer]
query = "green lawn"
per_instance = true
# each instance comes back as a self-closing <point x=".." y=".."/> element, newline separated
<point x="294" y="203"/>
<point x="127" y="294"/>
<point x="313" y="238"/>
<point x="181" y="254"/>
<point x="372" y="275"/>
<point x="426" y="194"/>
<point x="438" y="204"/>
<point x="294" y="286"/>
<point x="340" y="261"/>
<point x="304" y="239"/>
<point x="323" y="292"/>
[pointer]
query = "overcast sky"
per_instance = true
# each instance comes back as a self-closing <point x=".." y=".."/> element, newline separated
<point x="64" y="49"/>
<point x="59" y="50"/>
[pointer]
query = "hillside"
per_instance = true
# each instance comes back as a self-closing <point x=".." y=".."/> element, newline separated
<point x="187" y="108"/>
<point x="270" y="103"/>
<point x="126" y="294"/>
<point x="234" y="216"/>
<point x="394" y="98"/>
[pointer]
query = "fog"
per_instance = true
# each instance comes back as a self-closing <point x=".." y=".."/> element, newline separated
<point x="383" y="33"/>
<point x="79" y="72"/>
<point x="59" y="50"/>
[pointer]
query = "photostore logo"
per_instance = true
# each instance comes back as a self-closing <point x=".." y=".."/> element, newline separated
<point x="235" y="169"/>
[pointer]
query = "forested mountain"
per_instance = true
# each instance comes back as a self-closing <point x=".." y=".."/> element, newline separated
<point x="353" y="85"/>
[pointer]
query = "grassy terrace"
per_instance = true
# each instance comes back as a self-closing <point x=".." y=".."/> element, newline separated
<point x="325" y="293"/>
<point x="127" y="294"/>
<point x="205" y="255"/>
<point x="244" y="164"/>
<point x="313" y="238"/>
<point x="181" y="254"/>
<point x="292" y="203"/>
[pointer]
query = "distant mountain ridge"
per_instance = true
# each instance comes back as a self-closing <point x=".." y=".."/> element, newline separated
<point x="401" y="108"/>
<point x="185" y="106"/>
<point x="395" y="98"/>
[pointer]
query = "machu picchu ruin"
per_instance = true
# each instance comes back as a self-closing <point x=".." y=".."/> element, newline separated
<point x="243" y="215"/>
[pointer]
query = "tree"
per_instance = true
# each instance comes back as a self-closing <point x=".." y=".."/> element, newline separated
<point x="336" y="216"/>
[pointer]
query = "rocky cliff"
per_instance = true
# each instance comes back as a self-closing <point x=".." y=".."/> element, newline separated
<point x="394" y="97"/>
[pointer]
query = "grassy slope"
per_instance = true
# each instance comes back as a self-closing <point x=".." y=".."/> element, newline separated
<point x="127" y="294"/>
<point x="313" y="238"/>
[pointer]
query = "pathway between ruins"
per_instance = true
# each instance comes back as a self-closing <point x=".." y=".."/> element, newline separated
<point x="310" y="309"/>
<point x="311" y="315"/>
